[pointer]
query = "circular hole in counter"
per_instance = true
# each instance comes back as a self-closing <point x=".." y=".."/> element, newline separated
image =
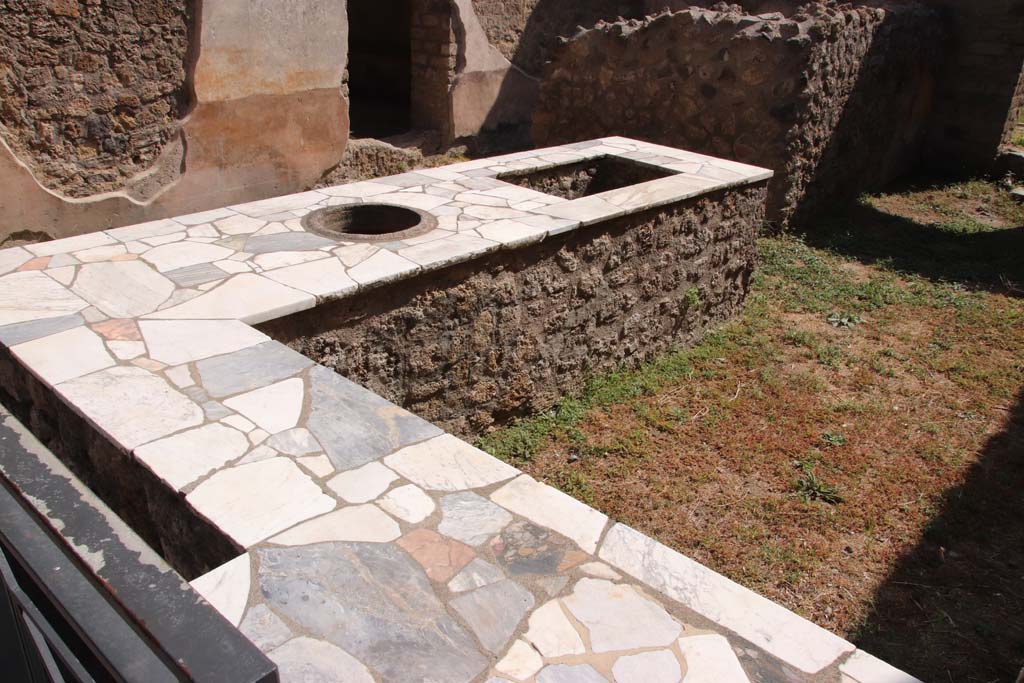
<point x="368" y="222"/>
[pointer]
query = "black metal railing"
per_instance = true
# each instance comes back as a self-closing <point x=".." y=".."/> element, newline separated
<point x="33" y="648"/>
<point x="66" y="616"/>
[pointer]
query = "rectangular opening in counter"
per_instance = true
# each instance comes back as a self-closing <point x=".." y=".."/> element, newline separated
<point x="585" y="178"/>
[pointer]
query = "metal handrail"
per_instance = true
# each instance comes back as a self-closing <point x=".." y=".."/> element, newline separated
<point x="44" y="649"/>
<point x="82" y="598"/>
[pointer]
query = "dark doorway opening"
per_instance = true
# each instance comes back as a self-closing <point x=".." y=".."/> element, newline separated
<point x="379" y="67"/>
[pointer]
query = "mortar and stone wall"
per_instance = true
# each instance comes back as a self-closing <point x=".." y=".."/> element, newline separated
<point x="510" y="334"/>
<point x="526" y="33"/>
<point x="1013" y="123"/>
<point x="503" y="47"/>
<point x="433" y="64"/>
<point x="117" y="112"/>
<point x="834" y="100"/>
<point x="980" y="83"/>
<point x="92" y="94"/>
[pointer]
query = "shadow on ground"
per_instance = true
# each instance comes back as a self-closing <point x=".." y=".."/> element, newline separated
<point x="991" y="259"/>
<point x="953" y="608"/>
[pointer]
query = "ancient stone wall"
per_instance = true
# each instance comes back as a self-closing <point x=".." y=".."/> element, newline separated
<point x="91" y="106"/>
<point x="784" y="7"/>
<point x="977" y="83"/>
<point x="509" y="334"/>
<point x="867" y="105"/>
<point x="1014" y="127"/>
<point x="91" y="92"/>
<point x="832" y="100"/>
<point x="502" y="48"/>
<point x="433" y="64"/>
<point x="527" y="32"/>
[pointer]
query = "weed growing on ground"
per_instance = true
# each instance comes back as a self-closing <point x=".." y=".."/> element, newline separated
<point x="809" y="487"/>
<point x="843" y="319"/>
<point x="692" y="297"/>
<point x="833" y="439"/>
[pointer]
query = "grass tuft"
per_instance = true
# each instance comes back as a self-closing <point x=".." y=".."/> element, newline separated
<point x="809" y="487"/>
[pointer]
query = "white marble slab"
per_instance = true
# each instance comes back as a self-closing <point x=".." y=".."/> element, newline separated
<point x="124" y="289"/>
<point x="255" y="501"/>
<point x="184" y="457"/>
<point x="710" y="659"/>
<point x="864" y="668"/>
<point x="274" y="408"/>
<point x="65" y="355"/>
<point x="247" y="297"/>
<point x="357" y="523"/>
<point x="157" y="228"/>
<point x="34" y="296"/>
<point x="382" y="267"/>
<point x="183" y="341"/>
<point x="12" y="258"/>
<point x="130" y="404"/>
<point x="70" y="244"/>
<point x="446" y="463"/>
<point x="227" y="587"/>
<point x="324" y="279"/>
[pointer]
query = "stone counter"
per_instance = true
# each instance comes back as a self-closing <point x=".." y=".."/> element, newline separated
<point x="349" y="538"/>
